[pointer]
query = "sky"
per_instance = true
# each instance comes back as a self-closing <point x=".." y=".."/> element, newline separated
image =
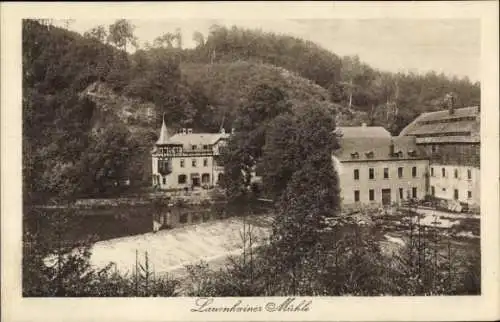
<point x="450" y="46"/>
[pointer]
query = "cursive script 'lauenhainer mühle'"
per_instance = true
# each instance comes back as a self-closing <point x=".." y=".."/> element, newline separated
<point x="288" y="305"/>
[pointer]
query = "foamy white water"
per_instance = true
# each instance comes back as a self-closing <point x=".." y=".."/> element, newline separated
<point x="170" y="250"/>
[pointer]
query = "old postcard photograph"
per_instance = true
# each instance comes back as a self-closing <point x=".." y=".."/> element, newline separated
<point x="250" y="161"/>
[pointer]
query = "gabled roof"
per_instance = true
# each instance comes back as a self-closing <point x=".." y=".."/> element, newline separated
<point x="378" y="148"/>
<point x="198" y="139"/>
<point x="435" y="127"/>
<point x="188" y="139"/>
<point x="363" y="132"/>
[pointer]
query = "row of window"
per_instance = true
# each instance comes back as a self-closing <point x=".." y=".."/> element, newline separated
<point x="179" y="150"/>
<point x="371" y="173"/>
<point x="182" y="179"/>
<point x="164" y="166"/>
<point x="455" y="173"/>
<point x="371" y="155"/>
<point x="194" y="163"/>
<point x="387" y="192"/>
<point x="205" y="147"/>
<point x="455" y="193"/>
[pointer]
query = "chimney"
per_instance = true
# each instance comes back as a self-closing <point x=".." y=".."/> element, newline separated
<point x="391" y="148"/>
<point x="190" y="131"/>
<point x="183" y="131"/>
<point x="451" y="103"/>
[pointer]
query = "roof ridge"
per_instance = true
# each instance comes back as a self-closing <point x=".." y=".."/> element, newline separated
<point x="445" y="109"/>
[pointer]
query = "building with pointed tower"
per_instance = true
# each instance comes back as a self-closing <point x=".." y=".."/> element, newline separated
<point x="186" y="159"/>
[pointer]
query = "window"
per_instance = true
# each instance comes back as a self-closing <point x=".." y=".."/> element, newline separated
<point x="356" y="195"/>
<point x="469" y="194"/>
<point x="193" y="147"/>
<point x="443" y="172"/>
<point x="401" y="195"/>
<point x="456" y="173"/>
<point x="386" y="173"/>
<point x="433" y="148"/>
<point x="205" y="147"/>
<point x="432" y="172"/>
<point x="414" y="193"/>
<point x="433" y="191"/>
<point x="400" y="172"/>
<point x="455" y="194"/>
<point x="414" y="172"/>
<point x="372" y="194"/>
<point x="356" y="174"/>
<point x="371" y="173"/>
<point x="164" y="180"/>
<point x="164" y="167"/>
<point x="183" y="218"/>
<point x="193" y="163"/>
<point x="181" y="179"/>
<point x="205" y="178"/>
<point x="205" y="162"/>
<point x="182" y="163"/>
<point x="469" y="174"/>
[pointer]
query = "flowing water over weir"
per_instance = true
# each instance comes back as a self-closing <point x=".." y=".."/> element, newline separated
<point x="169" y="250"/>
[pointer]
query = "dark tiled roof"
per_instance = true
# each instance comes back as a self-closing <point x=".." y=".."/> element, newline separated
<point x="461" y="126"/>
<point x="378" y="148"/>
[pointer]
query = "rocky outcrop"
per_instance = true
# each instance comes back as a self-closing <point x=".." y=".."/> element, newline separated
<point x="133" y="112"/>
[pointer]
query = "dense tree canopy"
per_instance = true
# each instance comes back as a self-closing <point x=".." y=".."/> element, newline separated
<point x="232" y="75"/>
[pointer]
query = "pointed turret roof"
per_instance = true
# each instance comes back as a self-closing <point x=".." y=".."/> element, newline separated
<point x="163" y="139"/>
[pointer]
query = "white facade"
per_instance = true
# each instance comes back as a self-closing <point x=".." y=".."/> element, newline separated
<point x="385" y="186"/>
<point x="457" y="182"/>
<point x="187" y="160"/>
<point x="187" y="171"/>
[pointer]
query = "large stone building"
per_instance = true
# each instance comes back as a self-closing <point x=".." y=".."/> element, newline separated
<point x="451" y="139"/>
<point x="376" y="168"/>
<point x="187" y="159"/>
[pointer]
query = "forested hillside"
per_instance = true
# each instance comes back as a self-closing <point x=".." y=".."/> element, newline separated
<point x="76" y="143"/>
<point x="388" y="99"/>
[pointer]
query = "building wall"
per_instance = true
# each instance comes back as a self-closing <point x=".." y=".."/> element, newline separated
<point x="467" y="154"/>
<point x="445" y="186"/>
<point x="171" y="181"/>
<point x="348" y="184"/>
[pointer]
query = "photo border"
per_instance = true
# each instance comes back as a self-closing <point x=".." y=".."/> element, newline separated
<point x="16" y="308"/>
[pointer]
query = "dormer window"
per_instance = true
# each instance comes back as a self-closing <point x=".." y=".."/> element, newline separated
<point x="397" y="154"/>
<point x="193" y="147"/>
<point x="369" y="155"/>
<point x="355" y="155"/>
<point x="412" y="153"/>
